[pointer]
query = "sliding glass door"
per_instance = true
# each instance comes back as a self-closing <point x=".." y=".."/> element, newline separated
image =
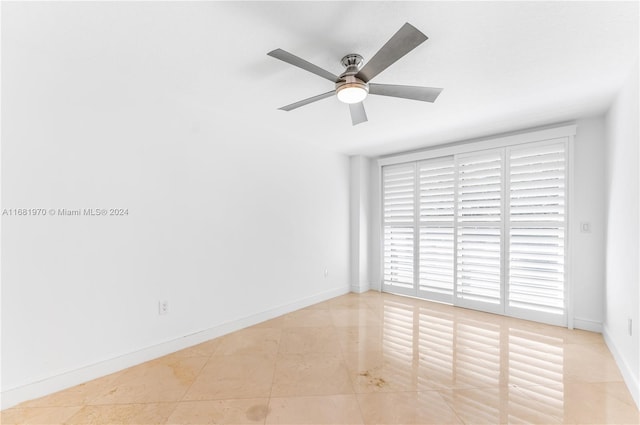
<point x="484" y="230"/>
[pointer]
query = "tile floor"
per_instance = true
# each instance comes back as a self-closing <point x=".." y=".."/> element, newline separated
<point x="369" y="358"/>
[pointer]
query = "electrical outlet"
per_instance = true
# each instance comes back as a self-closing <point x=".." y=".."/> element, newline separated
<point x="326" y="273"/>
<point x="630" y="327"/>
<point x="585" y="227"/>
<point x="163" y="307"/>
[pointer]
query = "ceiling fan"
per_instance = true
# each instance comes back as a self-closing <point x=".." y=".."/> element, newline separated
<point x="353" y="85"/>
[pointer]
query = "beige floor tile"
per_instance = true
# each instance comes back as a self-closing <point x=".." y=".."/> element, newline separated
<point x="589" y="363"/>
<point x="372" y="294"/>
<point x="502" y="405"/>
<point x="392" y="303"/>
<point x="348" y="301"/>
<point x="360" y="338"/>
<point x="477" y="334"/>
<point x="307" y="318"/>
<point x="161" y="380"/>
<point x="427" y="407"/>
<point x="37" y="415"/>
<point x="276" y="322"/>
<point x="325" y="305"/>
<point x="124" y="414"/>
<point x="333" y="409"/>
<point x="204" y="349"/>
<point x="468" y="368"/>
<point x="554" y="333"/>
<point x="577" y="336"/>
<point x="249" y="341"/>
<point x="234" y="411"/>
<point x="75" y="396"/>
<point x="537" y="340"/>
<point x="234" y="376"/>
<point x="379" y="371"/>
<point x="396" y="338"/>
<point x="528" y="365"/>
<point x="356" y="317"/>
<point x="373" y="300"/>
<point x="310" y="339"/>
<point x="310" y="374"/>
<point x="586" y="403"/>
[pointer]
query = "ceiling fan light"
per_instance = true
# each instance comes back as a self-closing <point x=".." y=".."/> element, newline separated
<point x="352" y="93"/>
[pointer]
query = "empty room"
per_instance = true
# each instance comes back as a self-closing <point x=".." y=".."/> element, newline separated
<point x="319" y="212"/>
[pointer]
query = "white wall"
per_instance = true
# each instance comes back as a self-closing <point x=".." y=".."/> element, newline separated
<point x="588" y="204"/>
<point x="622" y="237"/>
<point x="227" y="222"/>
<point x="375" y="225"/>
<point x="359" y="222"/>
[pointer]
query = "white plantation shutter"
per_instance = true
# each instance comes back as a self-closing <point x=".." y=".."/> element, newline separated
<point x="479" y="236"/>
<point x="536" y="187"/>
<point x="398" y="200"/>
<point x="484" y="230"/>
<point x="436" y="180"/>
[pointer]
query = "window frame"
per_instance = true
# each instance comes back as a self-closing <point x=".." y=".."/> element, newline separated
<point x="549" y="135"/>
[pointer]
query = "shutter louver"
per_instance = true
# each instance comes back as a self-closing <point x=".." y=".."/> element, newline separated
<point x="537" y="228"/>
<point x="437" y="203"/>
<point x="398" y="189"/>
<point x="479" y="236"/>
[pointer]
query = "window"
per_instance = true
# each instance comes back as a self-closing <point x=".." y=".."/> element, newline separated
<point x="483" y="230"/>
<point x="536" y="220"/>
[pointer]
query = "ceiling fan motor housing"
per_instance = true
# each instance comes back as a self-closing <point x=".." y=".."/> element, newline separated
<point x="348" y="80"/>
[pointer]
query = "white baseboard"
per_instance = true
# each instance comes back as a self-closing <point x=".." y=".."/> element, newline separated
<point x="14" y="396"/>
<point x="587" y="325"/>
<point x="359" y="289"/>
<point x="632" y="381"/>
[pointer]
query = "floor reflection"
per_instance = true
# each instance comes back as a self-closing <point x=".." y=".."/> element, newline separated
<point x="495" y="369"/>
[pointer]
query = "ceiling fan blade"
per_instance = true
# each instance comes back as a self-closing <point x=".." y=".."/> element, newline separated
<point x="405" y="40"/>
<point x="307" y="101"/>
<point x="358" y="115"/>
<point x="301" y="63"/>
<point x="425" y="94"/>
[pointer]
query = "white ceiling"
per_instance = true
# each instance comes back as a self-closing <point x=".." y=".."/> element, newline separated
<point x="504" y="66"/>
